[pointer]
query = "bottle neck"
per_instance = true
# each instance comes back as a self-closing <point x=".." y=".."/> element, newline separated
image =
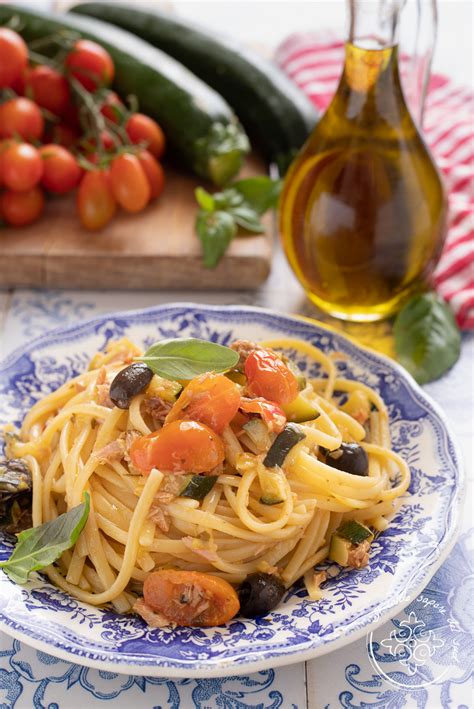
<point x="373" y="24"/>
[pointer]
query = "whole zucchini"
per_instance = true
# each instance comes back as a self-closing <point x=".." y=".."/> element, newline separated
<point x="276" y="114"/>
<point x="201" y="128"/>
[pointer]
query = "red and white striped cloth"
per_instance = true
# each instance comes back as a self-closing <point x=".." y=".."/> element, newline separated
<point x="316" y="64"/>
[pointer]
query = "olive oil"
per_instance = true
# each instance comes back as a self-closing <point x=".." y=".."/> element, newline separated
<point x="362" y="214"/>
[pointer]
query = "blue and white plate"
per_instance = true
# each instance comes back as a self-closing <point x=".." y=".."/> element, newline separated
<point x="402" y="559"/>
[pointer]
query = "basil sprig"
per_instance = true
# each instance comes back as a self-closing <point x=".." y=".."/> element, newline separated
<point x="427" y="338"/>
<point x="223" y="214"/>
<point x="40" y="546"/>
<point x="187" y="357"/>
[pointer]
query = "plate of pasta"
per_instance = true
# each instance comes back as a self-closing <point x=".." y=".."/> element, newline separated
<point x="192" y="491"/>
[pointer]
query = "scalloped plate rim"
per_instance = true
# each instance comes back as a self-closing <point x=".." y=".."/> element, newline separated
<point x="421" y="575"/>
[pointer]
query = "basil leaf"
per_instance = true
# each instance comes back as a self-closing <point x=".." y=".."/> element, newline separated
<point x="247" y="218"/>
<point x="227" y="199"/>
<point x="260" y="193"/>
<point x="188" y="357"/>
<point x="40" y="546"/>
<point x="215" y="230"/>
<point x="427" y="339"/>
<point x="204" y="199"/>
<point x="240" y="205"/>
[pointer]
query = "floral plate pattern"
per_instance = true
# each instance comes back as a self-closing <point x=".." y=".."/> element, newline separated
<point x="403" y="558"/>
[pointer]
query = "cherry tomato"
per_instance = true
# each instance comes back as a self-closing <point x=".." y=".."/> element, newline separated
<point x="142" y="129"/>
<point x="48" y="88"/>
<point x="179" y="447"/>
<point x="210" y="398"/>
<point x="129" y="183"/>
<point x="21" y="208"/>
<point x="190" y="598"/>
<point x="90" y="64"/>
<point x="4" y="145"/>
<point x="22" y="167"/>
<point x="271" y="413"/>
<point x="269" y="377"/>
<point x="112" y="107"/>
<point x="94" y="158"/>
<point x="62" y="134"/>
<point x="108" y="143"/>
<point x="107" y="140"/>
<point x="13" y="56"/>
<point x="154" y="173"/>
<point x="61" y="173"/>
<point x="21" y="117"/>
<point x="71" y="118"/>
<point x="18" y="86"/>
<point x="95" y="200"/>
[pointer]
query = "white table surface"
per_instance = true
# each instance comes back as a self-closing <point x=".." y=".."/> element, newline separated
<point x="344" y="678"/>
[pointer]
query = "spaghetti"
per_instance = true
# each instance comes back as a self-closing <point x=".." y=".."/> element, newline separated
<point x="76" y="440"/>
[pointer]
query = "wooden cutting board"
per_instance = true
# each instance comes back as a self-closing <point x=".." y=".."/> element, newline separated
<point x="155" y="249"/>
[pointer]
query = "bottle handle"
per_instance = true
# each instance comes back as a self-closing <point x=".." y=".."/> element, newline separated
<point x="420" y="64"/>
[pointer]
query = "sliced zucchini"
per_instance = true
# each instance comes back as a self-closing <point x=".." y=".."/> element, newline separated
<point x="197" y="486"/>
<point x="164" y="388"/>
<point x="236" y="377"/>
<point x="339" y="550"/>
<point x="300" y="409"/>
<point x="283" y="443"/>
<point x="258" y="433"/>
<point x="300" y="377"/>
<point x="272" y="484"/>
<point x="354" y="531"/>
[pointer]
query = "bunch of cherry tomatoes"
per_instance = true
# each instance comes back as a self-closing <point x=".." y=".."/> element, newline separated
<point x="62" y="129"/>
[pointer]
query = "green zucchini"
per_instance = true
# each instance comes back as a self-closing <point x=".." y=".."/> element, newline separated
<point x="339" y="550"/>
<point x="199" y="125"/>
<point x="354" y="531"/>
<point x="294" y="369"/>
<point x="272" y="484"/>
<point x="197" y="486"/>
<point x="166" y="389"/>
<point x="236" y="377"/>
<point x="283" y="443"/>
<point x="346" y="538"/>
<point x="274" y="111"/>
<point x="258" y="433"/>
<point x="300" y="409"/>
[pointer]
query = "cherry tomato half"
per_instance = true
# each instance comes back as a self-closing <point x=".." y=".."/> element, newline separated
<point x="210" y="398"/>
<point x="21" y="208"/>
<point x="154" y="173"/>
<point x="61" y="173"/>
<point x="129" y="183"/>
<point x="190" y="597"/>
<point x="48" y="88"/>
<point x="13" y="56"/>
<point x="269" y="377"/>
<point x="95" y="200"/>
<point x="21" y="117"/>
<point x="22" y="167"/>
<point x="142" y="129"/>
<point x="90" y="64"/>
<point x="270" y="412"/>
<point x="179" y="447"/>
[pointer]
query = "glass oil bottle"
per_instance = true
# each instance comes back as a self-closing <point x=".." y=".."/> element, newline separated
<point x="363" y="210"/>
